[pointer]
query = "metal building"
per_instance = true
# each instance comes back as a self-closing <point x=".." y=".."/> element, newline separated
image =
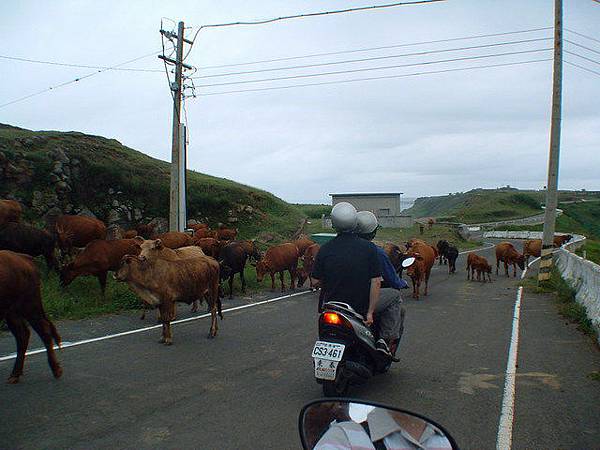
<point x="385" y="206"/>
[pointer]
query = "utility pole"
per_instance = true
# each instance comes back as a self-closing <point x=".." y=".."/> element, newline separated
<point x="552" y="185"/>
<point x="176" y="159"/>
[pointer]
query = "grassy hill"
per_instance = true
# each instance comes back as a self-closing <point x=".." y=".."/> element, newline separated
<point x="486" y="205"/>
<point x="74" y="171"/>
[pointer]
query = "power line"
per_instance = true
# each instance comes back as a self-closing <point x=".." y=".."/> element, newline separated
<point x="386" y="47"/>
<point x="583" y="68"/>
<point x="582" y="46"/>
<point x="66" y="83"/>
<point x="583" y="35"/>
<point x="467" y="58"/>
<point x="375" y="58"/>
<point x="385" y="77"/>
<point x="83" y="66"/>
<point x="582" y="57"/>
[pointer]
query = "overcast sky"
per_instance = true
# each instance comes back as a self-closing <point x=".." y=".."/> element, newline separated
<point x="422" y="135"/>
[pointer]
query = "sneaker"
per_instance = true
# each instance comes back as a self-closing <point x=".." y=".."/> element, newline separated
<point x="382" y="347"/>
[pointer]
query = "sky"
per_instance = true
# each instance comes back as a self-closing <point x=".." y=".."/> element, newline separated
<point x="428" y="134"/>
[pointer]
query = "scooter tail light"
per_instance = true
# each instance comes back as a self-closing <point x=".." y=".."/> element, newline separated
<point x="333" y="318"/>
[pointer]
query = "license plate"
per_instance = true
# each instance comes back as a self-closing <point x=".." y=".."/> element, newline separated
<point x="327" y="356"/>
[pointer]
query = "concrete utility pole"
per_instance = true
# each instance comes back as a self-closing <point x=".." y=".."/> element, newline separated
<point x="552" y="185"/>
<point x="177" y="161"/>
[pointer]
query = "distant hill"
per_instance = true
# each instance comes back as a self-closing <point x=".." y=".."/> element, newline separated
<point x="487" y="205"/>
<point x="50" y="172"/>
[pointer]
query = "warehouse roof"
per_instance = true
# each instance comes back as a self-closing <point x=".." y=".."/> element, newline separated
<point x="365" y="194"/>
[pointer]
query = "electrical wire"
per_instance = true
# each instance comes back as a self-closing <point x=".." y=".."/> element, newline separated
<point x="583" y="35"/>
<point x="386" y="77"/>
<point x="375" y="58"/>
<point x="581" y="67"/>
<point x="83" y="66"/>
<point x="339" y="72"/>
<point x="582" y="46"/>
<point x="386" y="47"/>
<point x="582" y="57"/>
<point x="66" y="83"/>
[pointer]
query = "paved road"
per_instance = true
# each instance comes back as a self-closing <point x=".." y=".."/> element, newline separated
<point x="244" y="389"/>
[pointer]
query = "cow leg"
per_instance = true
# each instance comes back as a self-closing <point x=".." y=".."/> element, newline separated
<point x="167" y="313"/>
<point x="231" y="286"/>
<point x="195" y="305"/>
<point x="497" y="264"/>
<point x="46" y="331"/>
<point x="18" y="327"/>
<point x="427" y="274"/>
<point x="468" y="272"/>
<point x="281" y="276"/>
<point x="414" y="283"/>
<point x="506" y="268"/>
<point x="514" y="269"/>
<point x="214" y="325"/>
<point x="243" y="281"/>
<point x="292" y="272"/>
<point x="272" y="281"/>
<point x="102" y="280"/>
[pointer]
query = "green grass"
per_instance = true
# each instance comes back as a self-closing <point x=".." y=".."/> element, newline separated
<point x="592" y="250"/>
<point x="313" y="211"/>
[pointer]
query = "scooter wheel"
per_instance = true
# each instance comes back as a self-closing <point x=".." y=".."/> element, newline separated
<point x="335" y="388"/>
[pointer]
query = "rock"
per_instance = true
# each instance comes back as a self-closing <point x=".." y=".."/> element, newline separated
<point x="63" y="186"/>
<point x="28" y="142"/>
<point x="60" y="155"/>
<point x="249" y="209"/>
<point x="111" y="191"/>
<point x="232" y="219"/>
<point x="266" y="237"/>
<point x="113" y="216"/>
<point x="84" y="211"/>
<point x="137" y="214"/>
<point x="69" y="208"/>
<point x="114" y="232"/>
<point x="37" y="200"/>
<point x="115" y="203"/>
<point x="74" y="162"/>
<point x="192" y="222"/>
<point x="161" y="225"/>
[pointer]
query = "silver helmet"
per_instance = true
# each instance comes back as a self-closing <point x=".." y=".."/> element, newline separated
<point x="343" y="217"/>
<point x="366" y="222"/>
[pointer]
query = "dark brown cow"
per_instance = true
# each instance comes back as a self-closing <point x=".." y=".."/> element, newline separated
<point x="161" y="283"/>
<point x="98" y="258"/>
<point x="278" y="259"/>
<point x="442" y="248"/>
<point x="22" y="238"/>
<point x="232" y="259"/>
<point x="420" y="270"/>
<point x="21" y="302"/>
<point x="226" y="234"/>
<point x="396" y="256"/>
<point x="560" y="240"/>
<point x="175" y="239"/>
<point x="77" y="231"/>
<point x="308" y="262"/>
<point x="10" y="211"/>
<point x="479" y="264"/>
<point x="303" y="243"/>
<point x="210" y="246"/>
<point x="507" y="253"/>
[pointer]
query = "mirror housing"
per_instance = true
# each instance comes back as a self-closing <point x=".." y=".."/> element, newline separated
<point x="408" y="262"/>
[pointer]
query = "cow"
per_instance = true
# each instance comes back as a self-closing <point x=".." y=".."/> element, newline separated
<point x="430" y="223"/>
<point x="507" y="253"/>
<point x="479" y="264"/>
<point x="203" y="233"/>
<point x="532" y="247"/>
<point x="425" y="256"/>
<point x="303" y="243"/>
<point x="442" y="247"/>
<point x="10" y="211"/>
<point x="161" y="283"/>
<point x="232" y="259"/>
<point x="210" y="246"/>
<point x="98" y="258"/>
<point x="198" y="226"/>
<point x="77" y="232"/>
<point x="20" y="303"/>
<point x="451" y="255"/>
<point x="560" y="240"/>
<point x="175" y="239"/>
<point x="396" y="256"/>
<point x="22" y="238"/>
<point x="226" y="234"/>
<point x="146" y="231"/>
<point x="278" y="259"/>
<point x="308" y="262"/>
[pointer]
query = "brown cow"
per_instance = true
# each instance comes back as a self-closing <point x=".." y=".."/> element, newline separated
<point x="23" y="238"/>
<point x="507" y="253"/>
<point x="161" y="283"/>
<point x="479" y="264"/>
<point x="77" y="231"/>
<point x="308" y="262"/>
<point x="175" y="239"/>
<point x="226" y="234"/>
<point x="233" y="259"/>
<point x="98" y="258"/>
<point x="303" y="243"/>
<point x="420" y="270"/>
<point x="210" y="246"/>
<point x="396" y="256"/>
<point x="532" y="247"/>
<point x="279" y="258"/>
<point x="560" y="240"/>
<point x="145" y="231"/>
<point x="204" y="233"/>
<point x="21" y="302"/>
<point x="10" y="211"/>
<point x="198" y="226"/>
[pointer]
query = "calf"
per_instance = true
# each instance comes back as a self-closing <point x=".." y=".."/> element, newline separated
<point x="10" y="211"/>
<point x="161" y="283"/>
<point x="22" y="238"/>
<point x="278" y="259"/>
<point x="302" y="244"/>
<point x="233" y="259"/>
<point x="479" y="264"/>
<point x="442" y="248"/>
<point x="77" y="231"/>
<point x="98" y="258"/>
<point x="507" y="253"/>
<point x="308" y="262"/>
<point x="451" y="255"/>
<point x="21" y="302"/>
<point x="420" y="270"/>
<point x="175" y="239"/>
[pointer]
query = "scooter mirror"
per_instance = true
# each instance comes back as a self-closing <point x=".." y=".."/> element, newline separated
<point x="349" y="424"/>
<point x="408" y="262"/>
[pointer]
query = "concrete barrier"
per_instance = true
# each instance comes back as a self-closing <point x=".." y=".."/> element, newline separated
<point x="582" y="275"/>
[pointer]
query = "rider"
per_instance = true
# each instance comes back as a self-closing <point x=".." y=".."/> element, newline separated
<point x="348" y="267"/>
<point x="389" y="315"/>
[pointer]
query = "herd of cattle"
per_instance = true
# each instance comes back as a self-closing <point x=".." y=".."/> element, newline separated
<point x="164" y="269"/>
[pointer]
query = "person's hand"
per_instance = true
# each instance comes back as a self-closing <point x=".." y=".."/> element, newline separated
<point x="369" y="319"/>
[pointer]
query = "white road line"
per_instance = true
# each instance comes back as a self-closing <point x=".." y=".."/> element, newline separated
<point x="477" y="249"/>
<point x="507" y="416"/>
<point x="141" y="330"/>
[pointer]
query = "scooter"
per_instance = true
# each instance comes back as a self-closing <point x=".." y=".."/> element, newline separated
<point x="345" y="353"/>
<point x="343" y="423"/>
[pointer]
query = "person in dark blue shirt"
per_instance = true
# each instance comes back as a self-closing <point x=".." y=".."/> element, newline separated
<point x="389" y="314"/>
